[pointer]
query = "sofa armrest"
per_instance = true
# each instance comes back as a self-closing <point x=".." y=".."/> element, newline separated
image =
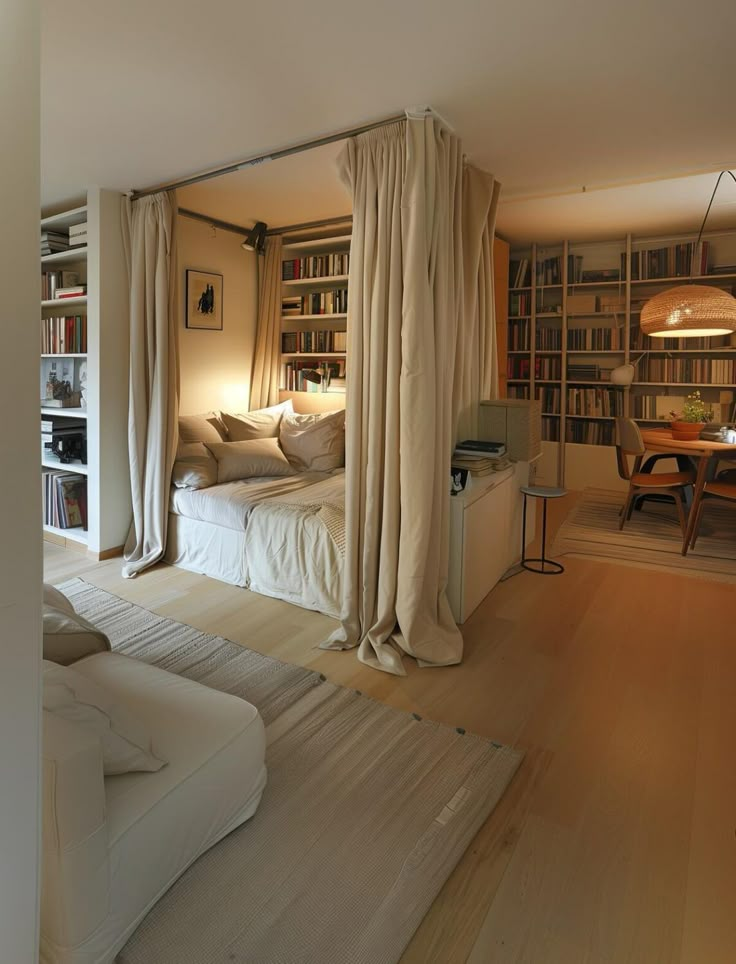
<point x="75" y="878"/>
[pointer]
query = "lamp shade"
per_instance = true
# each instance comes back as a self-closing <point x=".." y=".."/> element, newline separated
<point x="689" y="311"/>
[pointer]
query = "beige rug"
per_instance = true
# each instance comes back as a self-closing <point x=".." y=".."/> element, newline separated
<point x="366" y="812"/>
<point x="652" y="539"/>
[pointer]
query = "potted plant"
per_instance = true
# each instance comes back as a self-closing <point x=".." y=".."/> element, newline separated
<point x="687" y="425"/>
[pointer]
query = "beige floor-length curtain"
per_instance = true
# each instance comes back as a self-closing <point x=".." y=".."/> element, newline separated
<point x="476" y="360"/>
<point x="264" y="388"/>
<point x="149" y="232"/>
<point x="404" y="301"/>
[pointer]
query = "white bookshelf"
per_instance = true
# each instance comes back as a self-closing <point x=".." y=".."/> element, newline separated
<point x="309" y="322"/>
<point x="101" y="265"/>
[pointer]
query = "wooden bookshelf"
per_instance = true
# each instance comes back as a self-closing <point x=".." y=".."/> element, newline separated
<point x="578" y="307"/>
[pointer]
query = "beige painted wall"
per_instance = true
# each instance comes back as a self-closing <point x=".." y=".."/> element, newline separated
<point x="20" y="506"/>
<point x="216" y="365"/>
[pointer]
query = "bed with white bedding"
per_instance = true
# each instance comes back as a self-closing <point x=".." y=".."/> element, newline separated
<point x="282" y="537"/>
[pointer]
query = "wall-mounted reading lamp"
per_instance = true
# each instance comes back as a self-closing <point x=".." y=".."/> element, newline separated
<point x="256" y="238"/>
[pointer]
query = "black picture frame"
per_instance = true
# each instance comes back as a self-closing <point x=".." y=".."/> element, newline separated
<point x="204" y="300"/>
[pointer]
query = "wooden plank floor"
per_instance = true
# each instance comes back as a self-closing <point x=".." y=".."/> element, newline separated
<point x="615" y="842"/>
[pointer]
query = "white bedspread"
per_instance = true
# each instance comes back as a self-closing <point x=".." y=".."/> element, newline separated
<point x="293" y="528"/>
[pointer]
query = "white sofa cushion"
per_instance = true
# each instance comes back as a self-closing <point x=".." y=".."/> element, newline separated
<point x="125" y="742"/>
<point x="260" y="423"/>
<point x="158" y="823"/>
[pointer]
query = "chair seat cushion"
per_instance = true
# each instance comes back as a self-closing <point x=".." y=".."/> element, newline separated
<point x="651" y="480"/>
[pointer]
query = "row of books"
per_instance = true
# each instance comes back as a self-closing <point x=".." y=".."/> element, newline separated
<point x="55" y="283"/>
<point x="517" y="391"/>
<point x="550" y="430"/>
<point x="67" y="335"/>
<point x="595" y="401"/>
<point x="313" y="341"/>
<point x="688" y="371"/>
<point x="520" y="303"/>
<point x="546" y="367"/>
<point x="479" y="457"/>
<point x="332" y="374"/>
<point x="548" y="338"/>
<point x="316" y="266"/>
<point x="594" y="339"/>
<point x="641" y="342"/>
<point x="550" y="397"/>
<point x="518" y="339"/>
<point x="549" y="271"/>
<point x="587" y="373"/>
<point x="64" y="499"/>
<point x="519" y="273"/>
<point x="645" y="406"/>
<point x="590" y="433"/>
<point x="316" y="303"/>
<point x="675" y="261"/>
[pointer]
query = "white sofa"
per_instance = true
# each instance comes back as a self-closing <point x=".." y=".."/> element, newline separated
<point x="113" y="845"/>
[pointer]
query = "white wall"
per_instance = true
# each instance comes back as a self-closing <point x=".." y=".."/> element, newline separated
<point x="216" y="365"/>
<point x="20" y="506"/>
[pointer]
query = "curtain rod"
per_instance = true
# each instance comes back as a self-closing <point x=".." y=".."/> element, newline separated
<point x="239" y="229"/>
<point x="272" y="156"/>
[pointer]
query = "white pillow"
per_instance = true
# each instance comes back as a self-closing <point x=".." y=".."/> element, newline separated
<point x="244" y="460"/>
<point x="262" y="423"/>
<point x="126" y="744"/>
<point x="314" y="442"/>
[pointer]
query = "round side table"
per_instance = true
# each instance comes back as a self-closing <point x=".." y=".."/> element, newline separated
<point x="542" y="565"/>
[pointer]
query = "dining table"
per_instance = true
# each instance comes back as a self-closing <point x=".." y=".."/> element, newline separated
<point x="704" y="452"/>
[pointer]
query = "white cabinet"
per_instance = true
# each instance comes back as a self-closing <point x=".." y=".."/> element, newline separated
<point x="485" y="536"/>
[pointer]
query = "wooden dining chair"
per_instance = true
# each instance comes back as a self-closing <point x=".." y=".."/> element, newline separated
<point x="671" y="485"/>
<point x="719" y="489"/>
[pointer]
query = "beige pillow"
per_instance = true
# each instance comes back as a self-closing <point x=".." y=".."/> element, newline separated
<point x="314" y="443"/>
<point x="201" y="428"/>
<point x="195" y="468"/>
<point x="245" y="460"/>
<point x="263" y="423"/>
<point x="126" y="744"/>
<point x="67" y="636"/>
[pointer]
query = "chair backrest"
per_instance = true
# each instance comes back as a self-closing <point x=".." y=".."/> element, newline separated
<point x="628" y="442"/>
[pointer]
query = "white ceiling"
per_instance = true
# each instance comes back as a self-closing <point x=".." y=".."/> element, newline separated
<point x="547" y="96"/>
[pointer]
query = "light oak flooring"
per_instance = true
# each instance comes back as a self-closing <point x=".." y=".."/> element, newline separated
<point x="616" y="840"/>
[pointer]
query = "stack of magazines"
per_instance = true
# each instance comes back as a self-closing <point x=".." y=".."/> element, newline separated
<point x="480" y="457"/>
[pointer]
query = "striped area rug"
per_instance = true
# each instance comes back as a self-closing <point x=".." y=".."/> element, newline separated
<point x="366" y="812"/>
<point x="651" y="539"/>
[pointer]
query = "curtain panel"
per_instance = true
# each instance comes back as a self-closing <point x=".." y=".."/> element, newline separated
<point x="264" y="388"/>
<point x="476" y="360"/>
<point x="149" y="234"/>
<point x="404" y="304"/>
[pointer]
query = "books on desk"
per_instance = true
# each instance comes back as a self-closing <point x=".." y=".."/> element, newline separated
<point x="481" y="447"/>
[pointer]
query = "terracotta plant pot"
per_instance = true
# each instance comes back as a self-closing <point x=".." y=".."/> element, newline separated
<point x="686" y="431"/>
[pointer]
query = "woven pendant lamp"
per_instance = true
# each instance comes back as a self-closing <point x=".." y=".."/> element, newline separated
<point x="690" y="310"/>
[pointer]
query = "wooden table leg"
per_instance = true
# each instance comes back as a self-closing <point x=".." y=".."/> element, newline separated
<point x="697" y="496"/>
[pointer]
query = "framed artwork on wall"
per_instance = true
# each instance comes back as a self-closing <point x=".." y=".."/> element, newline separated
<point x="204" y="300"/>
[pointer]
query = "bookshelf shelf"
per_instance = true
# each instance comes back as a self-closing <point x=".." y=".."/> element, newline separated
<point x="63" y="354"/>
<point x="596" y="351"/>
<point x="64" y="302"/>
<point x="313" y="354"/>
<point x="76" y="534"/>
<point x="72" y="256"/>
<point x="50" y="462"/>
<point x="64" y="412"/>
<point x="682" y="279"/>
<point x="329" y="281"/>
<point x="334" y="316"/>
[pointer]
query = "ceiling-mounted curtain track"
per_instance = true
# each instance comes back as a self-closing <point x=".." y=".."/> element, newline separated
<point x="214" y="222"/>
<point x="286" y="229"/>
<point x="272" y="156"/>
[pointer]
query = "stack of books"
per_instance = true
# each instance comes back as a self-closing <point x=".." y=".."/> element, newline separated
<point x="53" y="241"/>
<point x="74" y="291"/>
<point x="480" y="457"/>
